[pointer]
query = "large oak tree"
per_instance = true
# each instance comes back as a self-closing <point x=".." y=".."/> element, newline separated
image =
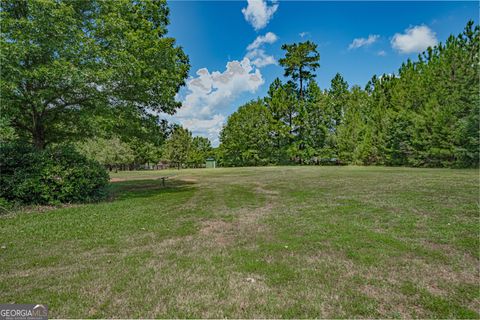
<point x="64" y="61"/>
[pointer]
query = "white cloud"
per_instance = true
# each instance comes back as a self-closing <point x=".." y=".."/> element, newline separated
<point x="256" y="53"/>
<point x="258" y="13"/>
<point x="260" y="59"/>
<point x="381" y="53"/>
<point x="361" y="42"/>
<point x="269" y="37"/>
<point x="209" y="128"/>
<point x="304" y="34"/>
<point x="415" y="39"/>
<point x="210" y="92"/>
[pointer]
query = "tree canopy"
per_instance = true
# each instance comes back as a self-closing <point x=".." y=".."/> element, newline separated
<point x="66" y="63"/>
<point x="177" y="146"/>
<point x="427" y="114"/>
<point x="300" y="62"/>
<point x="246" y="138"/>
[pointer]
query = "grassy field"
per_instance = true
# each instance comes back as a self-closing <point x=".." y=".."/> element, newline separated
<point x="255" y="242"/>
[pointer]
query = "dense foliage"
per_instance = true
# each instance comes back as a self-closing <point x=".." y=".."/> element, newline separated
<point x="50" y="176"/>
<point x="94" y="74"/>
<point x="246" y="137"/>
<point x="200" y="150"/>
<point x="182" y="150"/>
<point x="425" y="115"/>
<point x="68" y="66"/>
<point x="112" y="153"/>
<point x="177" y="147"/>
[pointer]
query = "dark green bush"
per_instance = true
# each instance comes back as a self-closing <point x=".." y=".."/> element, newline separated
<point x="52" y="176"/>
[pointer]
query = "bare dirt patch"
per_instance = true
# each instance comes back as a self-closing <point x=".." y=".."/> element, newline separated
<point x="245" y="224"/>
<point x="218" y="231"/>
<point x="261" y="189"/>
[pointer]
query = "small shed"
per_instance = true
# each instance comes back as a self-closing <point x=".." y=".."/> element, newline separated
<point x="210" y="163"/>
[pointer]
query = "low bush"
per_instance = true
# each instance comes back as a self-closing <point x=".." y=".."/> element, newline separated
<point x="51" y="176"/>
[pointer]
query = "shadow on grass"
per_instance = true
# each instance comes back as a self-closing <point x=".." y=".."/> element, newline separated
<point x="146" y="188"/>
<point x="118" y="190"/>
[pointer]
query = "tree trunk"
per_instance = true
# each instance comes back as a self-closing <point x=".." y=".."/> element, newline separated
<point x="38" y="135"/>
<point x="299" y="106"/>
<point x="290" y="124"/>
<point x="301" y="87"/>
<point x="301" y="82"/>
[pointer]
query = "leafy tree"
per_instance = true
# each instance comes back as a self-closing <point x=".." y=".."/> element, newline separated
<point x="7" y="132"/>
<point x="280" y="102"/>
<point x="66" y="61"/>
<point x="247" y="139"/>
<point x="200" y="150"/>
<point x="112" y="153"/>
<point x="144" y="134"/>
<point x="145" y="152"/>
<point x="177" y="146"/>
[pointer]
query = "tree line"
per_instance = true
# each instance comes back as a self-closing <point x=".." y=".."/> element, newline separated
<point x="179" y="150"/>
<point x="69" y="76"/>
<point x="427" y="114"/>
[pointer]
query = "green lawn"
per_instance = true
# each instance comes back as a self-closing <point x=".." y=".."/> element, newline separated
<point x="255" y="242"/>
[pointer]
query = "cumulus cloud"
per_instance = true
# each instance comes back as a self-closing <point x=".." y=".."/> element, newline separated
<point x="258" y="13"/>
<point x="260" y="59"/>
<point x="415" y="39"/>
<point x="209" y="128"/>
<point x="256" y="53"/>
<point x="362" y="42"/>
<point x="269" y="37"/>
<point x="209" y="92"/>
<point x="381" y="53"/>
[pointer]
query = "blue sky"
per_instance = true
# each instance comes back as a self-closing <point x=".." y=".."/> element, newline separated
<point x="357" y="39"/>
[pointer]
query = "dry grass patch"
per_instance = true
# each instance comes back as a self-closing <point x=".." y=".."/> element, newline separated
<point x="284" y="242"/>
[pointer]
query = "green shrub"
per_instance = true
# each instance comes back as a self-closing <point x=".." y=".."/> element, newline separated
<point x="5" y="206"/>
<point x="51" y="176"/>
